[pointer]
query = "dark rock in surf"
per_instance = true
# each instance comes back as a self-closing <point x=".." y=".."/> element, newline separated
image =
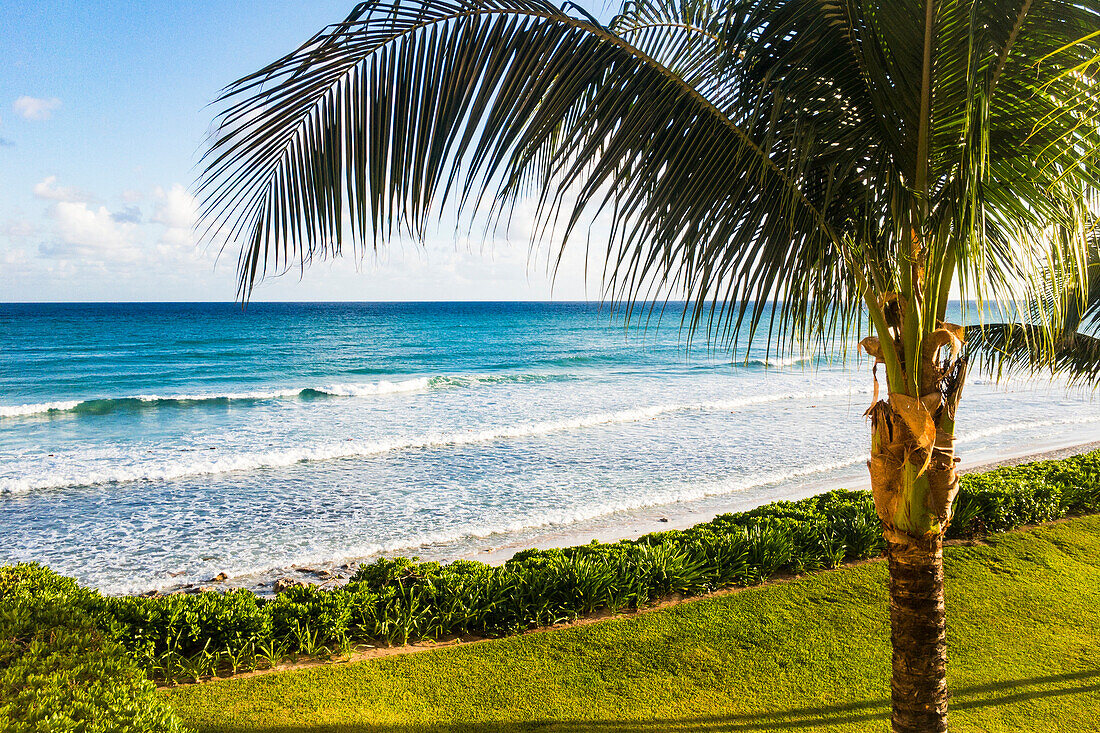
<point x="282" y="584"/>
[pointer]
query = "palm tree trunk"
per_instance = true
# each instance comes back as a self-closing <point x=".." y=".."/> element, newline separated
<point x="918" y="636"/>
<point x="914" y="483"/>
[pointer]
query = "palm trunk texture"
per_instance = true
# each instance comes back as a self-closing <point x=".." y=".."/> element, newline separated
<point x="919" y="638"/>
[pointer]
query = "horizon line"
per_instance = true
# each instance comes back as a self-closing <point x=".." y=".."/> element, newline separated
<point x="346" y="302"/>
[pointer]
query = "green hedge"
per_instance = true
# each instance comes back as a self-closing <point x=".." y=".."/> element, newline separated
<point x="59" y="671"/>
<point x="1007" y="498"/>
<point x="394" y="601"/>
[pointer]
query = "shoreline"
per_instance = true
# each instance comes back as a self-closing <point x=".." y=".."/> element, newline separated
<point x="1049" y="455"/>
<point x="612" y="528"/>
<point x="683" y="515"/>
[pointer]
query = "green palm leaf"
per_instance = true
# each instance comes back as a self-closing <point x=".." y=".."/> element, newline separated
<point x="1006" y="348"/>
<point x="744" y="153"/>
<point x="358" y="134"/>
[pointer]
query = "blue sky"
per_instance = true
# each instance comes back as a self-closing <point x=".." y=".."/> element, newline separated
<point x="103" y="112"/>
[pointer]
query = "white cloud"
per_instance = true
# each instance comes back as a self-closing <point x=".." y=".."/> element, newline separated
<point x="34" y="108"/>
<point x="48" y="189"/>
<point x="175" y="207"/>
<point x="84" y="233"/>
<point x="128" y="215"/>
<point x="129" y="250"/>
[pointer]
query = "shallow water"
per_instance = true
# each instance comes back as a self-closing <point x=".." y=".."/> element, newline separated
<point x="148" y="445"/>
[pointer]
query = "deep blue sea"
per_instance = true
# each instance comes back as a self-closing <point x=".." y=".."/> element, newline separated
<point x="145" y="445"/>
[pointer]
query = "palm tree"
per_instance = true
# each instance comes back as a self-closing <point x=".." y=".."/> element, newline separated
<point x="805" y="169"/>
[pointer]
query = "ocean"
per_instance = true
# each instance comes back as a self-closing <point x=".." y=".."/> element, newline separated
<point x="148" y="445"/>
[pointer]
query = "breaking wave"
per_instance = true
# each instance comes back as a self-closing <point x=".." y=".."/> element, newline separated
<point x="106" y="405"/>
<point x="776" y="361"/>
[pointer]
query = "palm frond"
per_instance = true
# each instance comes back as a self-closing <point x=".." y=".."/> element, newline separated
<point x="1023" y="345"/>
<point x="1003" y="349"/>
<point x="365" y="129"/>
<point x="1008" y="148"/>
<point x="759" y="158"/>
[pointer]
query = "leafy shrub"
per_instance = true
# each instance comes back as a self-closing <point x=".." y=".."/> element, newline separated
<point x="187" y="621"/>
<point x="395" y="601"/>
<point x="1011" y="497"/>
<point x="59" y="671"/>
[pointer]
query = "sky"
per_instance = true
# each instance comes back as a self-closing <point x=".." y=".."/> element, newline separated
<point x="104" y="108"/>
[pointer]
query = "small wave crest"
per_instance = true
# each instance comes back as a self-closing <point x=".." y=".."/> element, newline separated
<point x="491" y="379"/>
<point x="106" y="405"/>
<point x="37" y="408"/>
<point x="1011" y="427"/>
<point x="369" y="389"/>
<point x="775" y="362"/>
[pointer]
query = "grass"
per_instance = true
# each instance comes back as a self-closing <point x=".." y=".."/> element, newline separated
<point x="809" y="654"/>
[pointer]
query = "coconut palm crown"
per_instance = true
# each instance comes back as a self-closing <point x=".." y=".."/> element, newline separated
<point x="803" y="169"/>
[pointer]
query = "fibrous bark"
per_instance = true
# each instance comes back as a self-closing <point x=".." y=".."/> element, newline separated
<point x="918" y="635"/>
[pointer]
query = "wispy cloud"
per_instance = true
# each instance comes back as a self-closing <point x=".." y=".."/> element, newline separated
<point x="35" y="108"/>
<point x="16" y="256"/>
<point x="48" y="189"/>
<point x="129" y="215"/>
<point x="18" y="229"/>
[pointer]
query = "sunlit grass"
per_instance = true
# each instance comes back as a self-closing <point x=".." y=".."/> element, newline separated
<point x="812" y="654"/>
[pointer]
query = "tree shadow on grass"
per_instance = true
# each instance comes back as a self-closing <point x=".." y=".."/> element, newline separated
<point x="808" y="718"/>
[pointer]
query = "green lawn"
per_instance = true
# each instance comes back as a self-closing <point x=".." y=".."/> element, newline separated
<point x="812" y="654"/>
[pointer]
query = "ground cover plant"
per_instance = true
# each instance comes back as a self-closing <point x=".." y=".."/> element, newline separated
<point x="186" y="638"/>
<point x="811" y="654"/>
<point x="59" y="672"/>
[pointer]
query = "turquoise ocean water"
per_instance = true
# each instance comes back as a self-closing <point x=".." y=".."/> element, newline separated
<point x="145" y="445"/>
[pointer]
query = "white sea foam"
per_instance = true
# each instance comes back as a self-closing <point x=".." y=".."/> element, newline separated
<point x="989" y="432"/>
<point x="174" y="469"/>
<point x="376" y="388"/>
<point x="162" y="470"/>
<point x="777" y="361"/>
<point x="348" y="389"/>
<point x="543" y="520"/>
<point x="259" y="394"/>
<point x="687" y="492"/>
<point x="36" y="408"/>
